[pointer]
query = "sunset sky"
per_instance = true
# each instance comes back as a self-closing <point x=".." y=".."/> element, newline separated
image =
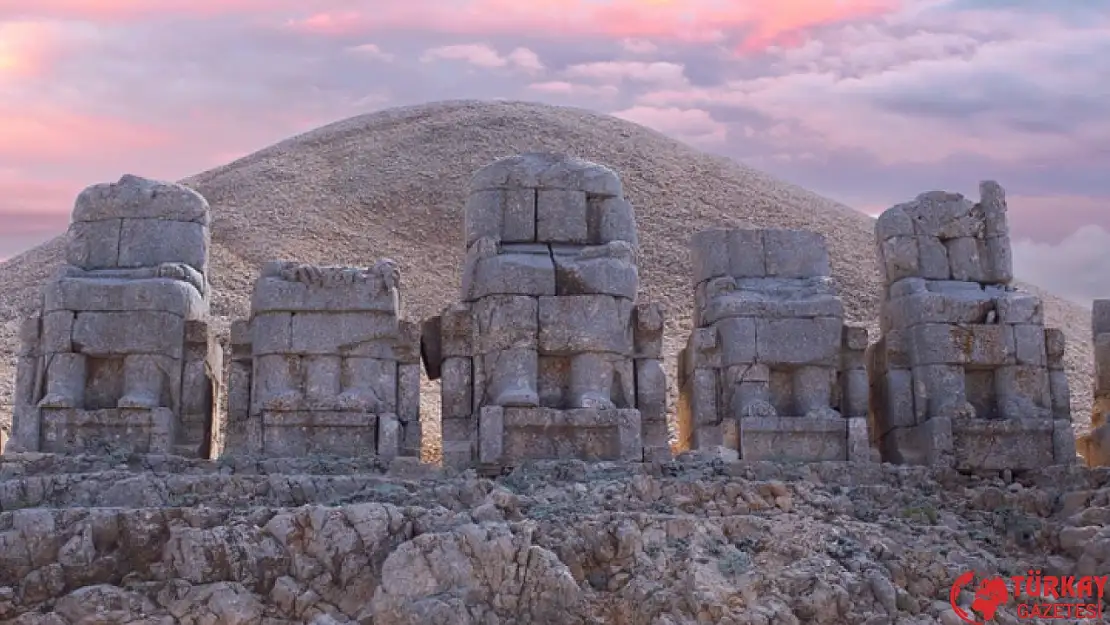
<point x="866" y="101"/>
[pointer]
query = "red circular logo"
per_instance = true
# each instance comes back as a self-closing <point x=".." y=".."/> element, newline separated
<point x="991" y="593"/>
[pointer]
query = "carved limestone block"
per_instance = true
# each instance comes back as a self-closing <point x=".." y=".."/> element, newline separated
<point x="333" y="369"/>
<point x="771" y="343"/>
<point x="121" y="357"/>
<point x="548" y="319"/>
<point x="964" y="360"/>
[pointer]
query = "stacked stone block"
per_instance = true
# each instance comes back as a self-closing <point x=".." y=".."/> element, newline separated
<point x="548" y="354"/>
<point x="965" y="374"/>
<point x="120" y="355"/>
<point x="771" y="369"/>
<point x="325" y="365"/>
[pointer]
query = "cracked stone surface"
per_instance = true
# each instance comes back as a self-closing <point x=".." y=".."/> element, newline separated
<point x="160" y="539"/>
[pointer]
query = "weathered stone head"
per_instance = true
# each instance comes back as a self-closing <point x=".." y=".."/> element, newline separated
<point x="743" y="272"/>
<point x="547" y="224"/>
<point x="294" y="286"/>
<point x="389" y="272"/>
<point x="944" y="236"/>
<point x="548" y="198"/>
<point x="139" y="223"/>
<point x="741" y="253"/>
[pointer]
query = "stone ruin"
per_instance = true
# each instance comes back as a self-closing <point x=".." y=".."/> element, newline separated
<point x="120" y="355"/>
<point x="325" y="365"/>
<point x="964" y="373"/>
<point x="771" y="370"/>
<point x="548" y="355"/>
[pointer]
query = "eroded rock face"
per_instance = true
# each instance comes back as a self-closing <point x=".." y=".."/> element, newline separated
<point x="434" y="578"/>
<point x="167" y="540"/>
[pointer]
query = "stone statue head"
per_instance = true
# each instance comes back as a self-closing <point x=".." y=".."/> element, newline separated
<point x="137" y="222"/>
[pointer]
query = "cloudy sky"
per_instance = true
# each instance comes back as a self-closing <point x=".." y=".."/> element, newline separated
<point x="866" y="101"/>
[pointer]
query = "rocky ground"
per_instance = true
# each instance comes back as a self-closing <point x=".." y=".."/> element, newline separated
<point x="699" y="540"/>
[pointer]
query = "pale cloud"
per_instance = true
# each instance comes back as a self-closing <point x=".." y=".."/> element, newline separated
<point x="639" y="46"/>
<point x="483" y="55"/>
<point x="562" y="87"/>
<point x="1075" y="268"/>
<point x="525" y="59"/>
<point x="1050" y="219"/>
<point x="692" y="125"/>
<point x="475" y="54"/>
<point x="658" y="73"/>
<point x="870" y="48"/>
<point x="372" y="51"/>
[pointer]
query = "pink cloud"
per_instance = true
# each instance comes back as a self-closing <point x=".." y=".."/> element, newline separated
<point x="867" y="102"/>
<point x="26" y="222"/>
<point x="43" y="133"/>
<point x="330" y="23"/>
<point x="757" y="24"/>
<point x="127" y="10"/>
<point x="27" y="48"/>
<point x="40" y="204"/>
<point x="1074" y="268"/>
<point x="786" y="24"/>
<point x="1052" y="219"/>
<point x="690" y="20"/>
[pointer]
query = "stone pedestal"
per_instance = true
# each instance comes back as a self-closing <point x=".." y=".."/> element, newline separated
<point x="121" y="356"/>
<point x="771" y="370"/>
<point x="325" y="433"/>
<point x="548" y="327"/>
<point x="138" y="430"/>
<point x="514" y="434"/>
<point x="803" y="439"/>
<point x="965" y="374"/>
<point x="974" y="444"/>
